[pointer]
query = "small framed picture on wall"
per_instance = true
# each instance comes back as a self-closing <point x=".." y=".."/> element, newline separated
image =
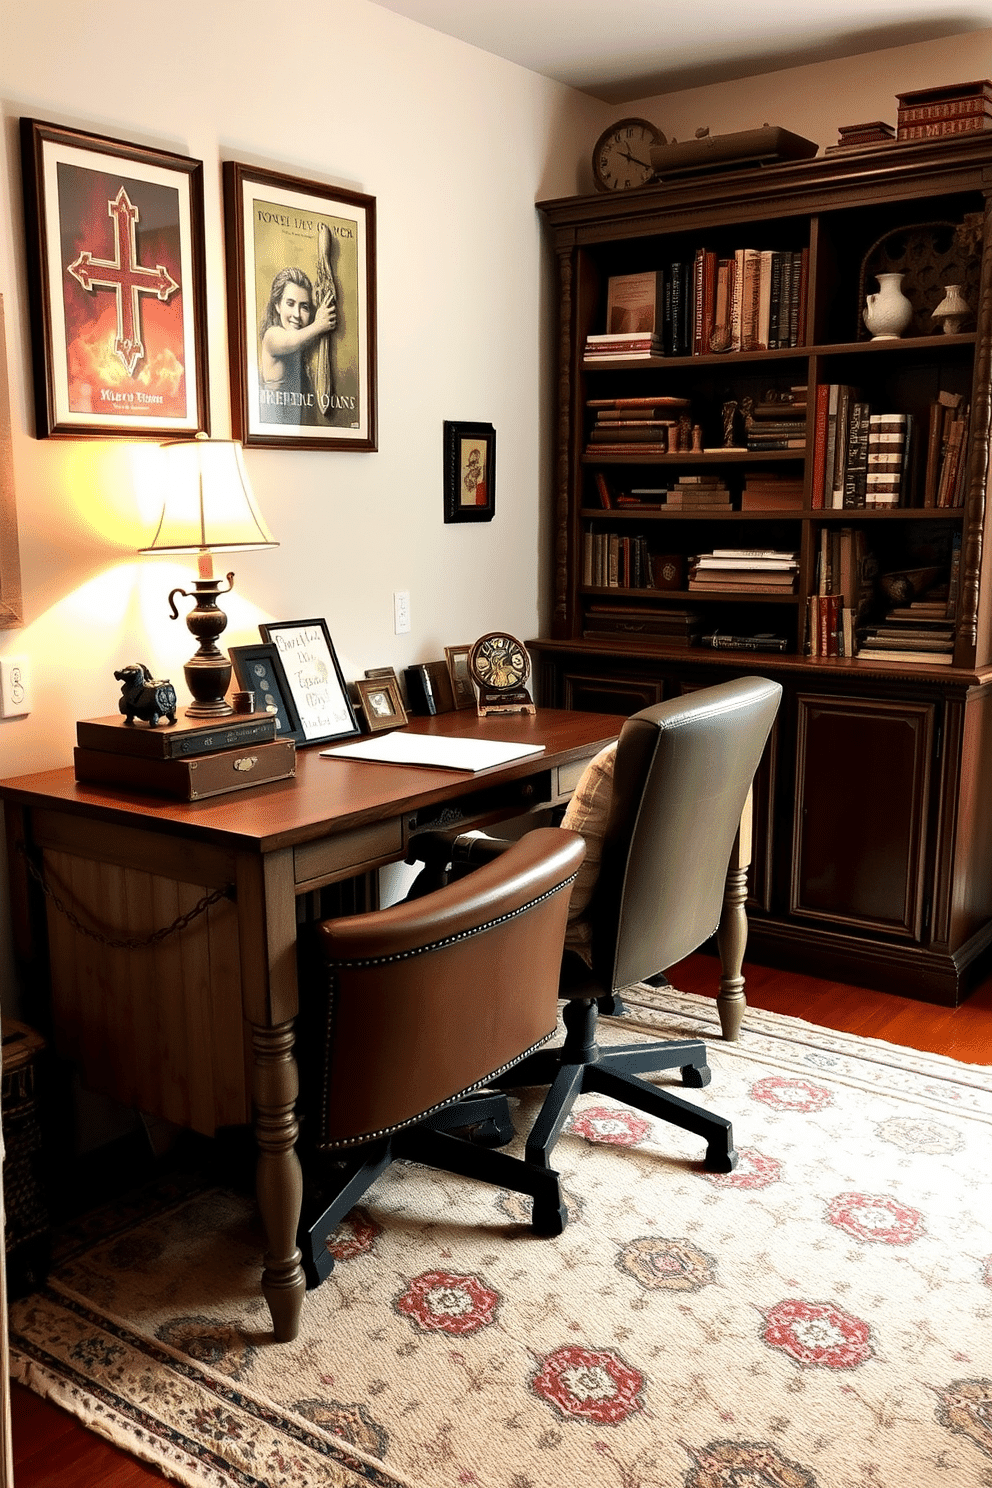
<point x="469" y="472"/>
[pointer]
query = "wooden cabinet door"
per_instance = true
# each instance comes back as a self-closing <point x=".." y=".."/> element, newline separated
<point x="863" y="771"/>
<point x="588" y="693"/>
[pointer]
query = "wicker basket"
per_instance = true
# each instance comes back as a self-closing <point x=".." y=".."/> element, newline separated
<point x="28" y="1228"/>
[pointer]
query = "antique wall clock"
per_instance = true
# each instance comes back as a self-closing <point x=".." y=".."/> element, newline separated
<point x="622" y="155"/>
<point x="499" y="666"/>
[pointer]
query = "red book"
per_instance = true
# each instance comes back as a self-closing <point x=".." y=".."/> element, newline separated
<point x="821" y="407"/>
<point x="704" y="299"/>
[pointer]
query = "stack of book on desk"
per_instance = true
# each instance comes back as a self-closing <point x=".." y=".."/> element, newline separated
<point x="188" y="760"/>
<point x="747" y="570"/>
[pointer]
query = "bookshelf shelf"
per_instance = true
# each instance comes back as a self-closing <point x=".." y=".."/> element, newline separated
<point x="704" y="457"/>
<point x="874" y="853"/>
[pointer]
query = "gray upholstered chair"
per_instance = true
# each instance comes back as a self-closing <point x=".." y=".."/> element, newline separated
<point x="427" y="1003"/>
<point x="681" y="775"/>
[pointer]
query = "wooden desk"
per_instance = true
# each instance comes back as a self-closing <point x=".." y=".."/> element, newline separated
<point x="197" y="1027"/>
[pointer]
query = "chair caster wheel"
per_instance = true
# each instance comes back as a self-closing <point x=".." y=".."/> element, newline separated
<point x="492" y="1134"/>
<point x="549" y="1218"/>
<point x="720" y="1161"/>
<point x="696" y="1078"/>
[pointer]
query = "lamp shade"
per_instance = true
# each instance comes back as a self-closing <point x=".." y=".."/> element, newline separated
<point x="208" y="501"/>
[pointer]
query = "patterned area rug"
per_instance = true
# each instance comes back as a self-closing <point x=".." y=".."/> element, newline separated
<point x="821" y="1318"/>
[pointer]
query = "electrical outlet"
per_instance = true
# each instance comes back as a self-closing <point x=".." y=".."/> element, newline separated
<point x="401" y="612"/>
<point x="15" y="687"/>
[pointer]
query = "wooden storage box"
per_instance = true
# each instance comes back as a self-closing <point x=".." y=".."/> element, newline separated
<point x="190" y="779"/>
<point x="184" y="739"/>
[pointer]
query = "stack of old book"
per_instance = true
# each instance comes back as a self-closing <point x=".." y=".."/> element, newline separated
<point x="954" y="108"/>
<point x="850" y="136"/>
<point x="676" y="627"/>
<point x="623" y="346"/>
<point x="911" y="635"/>
<point x="768" y="490"/>
<point x="778" y="425"/>
<point x="745" y="571"/>
<point x="639" y="426"/>
<point x="699" y="493"/>
<point x="190" y="759"/>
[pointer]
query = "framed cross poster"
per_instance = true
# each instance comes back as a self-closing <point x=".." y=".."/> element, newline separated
<point x="115" y="258"/>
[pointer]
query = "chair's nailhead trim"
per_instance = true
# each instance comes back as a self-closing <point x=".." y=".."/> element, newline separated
<point x="437" y="945"/>
<point x="388" y="1131"/>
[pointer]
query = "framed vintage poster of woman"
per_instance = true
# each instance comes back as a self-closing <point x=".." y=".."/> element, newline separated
<point x="301" y="297"/>
<point x="115" y="264"/>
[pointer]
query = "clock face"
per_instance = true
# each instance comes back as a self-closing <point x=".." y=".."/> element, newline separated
<point x="498" y="662"/>
<point x="622" y="157"/>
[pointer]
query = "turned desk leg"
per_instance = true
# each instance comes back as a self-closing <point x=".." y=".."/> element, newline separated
<point x="279" y="1179"/>
<point x="731" y="936"/>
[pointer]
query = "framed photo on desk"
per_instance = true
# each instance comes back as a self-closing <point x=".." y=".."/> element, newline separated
<point x="314" y="680"/>
<point x="259" y="670"/>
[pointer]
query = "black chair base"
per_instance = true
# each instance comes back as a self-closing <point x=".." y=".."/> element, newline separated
<point x="580" y="1067"/>
<point x="485" y="1116"/>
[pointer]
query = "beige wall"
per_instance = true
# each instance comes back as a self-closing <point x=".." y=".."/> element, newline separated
<point x="813" y="101"/>
<point x="456" y="146"/>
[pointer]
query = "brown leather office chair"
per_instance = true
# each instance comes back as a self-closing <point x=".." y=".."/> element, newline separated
<point x="428" y="1002"/>
<point x="680" y="780"/>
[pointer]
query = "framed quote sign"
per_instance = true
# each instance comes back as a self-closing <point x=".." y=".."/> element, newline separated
<point x="315" y="685"/>
<point x="115" y="259"/>
<point x="301" y="297"/>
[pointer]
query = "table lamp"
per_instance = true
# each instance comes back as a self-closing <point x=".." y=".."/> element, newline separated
<point x="209" y="508"/>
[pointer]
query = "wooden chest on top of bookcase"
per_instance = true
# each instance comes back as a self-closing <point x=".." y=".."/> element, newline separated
<point x="873" y="859"/>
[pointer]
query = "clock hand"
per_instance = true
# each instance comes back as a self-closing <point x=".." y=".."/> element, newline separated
<point x="635" y="159"/>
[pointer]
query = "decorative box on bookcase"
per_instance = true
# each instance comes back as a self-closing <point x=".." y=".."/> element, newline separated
<point x="738" y="447"/>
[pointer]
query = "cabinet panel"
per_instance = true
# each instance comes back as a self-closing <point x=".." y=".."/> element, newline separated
<point x="862" y="794"/>
<point x="611" y="694"/>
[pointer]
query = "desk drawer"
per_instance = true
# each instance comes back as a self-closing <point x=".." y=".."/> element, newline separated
<point x="569" y="776"/>
<point x="347" y="853"/>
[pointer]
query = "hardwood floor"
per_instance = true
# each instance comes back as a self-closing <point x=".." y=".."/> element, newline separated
<point x="52" y="1451"/>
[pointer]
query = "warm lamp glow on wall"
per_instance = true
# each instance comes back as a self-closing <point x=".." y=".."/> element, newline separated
<point x="209" y="508"/>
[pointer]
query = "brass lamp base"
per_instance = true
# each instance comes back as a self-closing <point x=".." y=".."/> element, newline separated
<point x="208" y="672"/>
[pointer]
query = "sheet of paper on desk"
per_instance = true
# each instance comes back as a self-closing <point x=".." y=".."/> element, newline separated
<point x="401" y="748"/>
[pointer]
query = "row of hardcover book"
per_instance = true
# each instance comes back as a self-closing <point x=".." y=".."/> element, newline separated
<point x="612" y="561"/>
<point x="752" y="299"/>
<point x="863" y="457"/>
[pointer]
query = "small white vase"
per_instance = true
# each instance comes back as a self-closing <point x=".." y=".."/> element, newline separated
<point x="952" y="310"/>
<point x="887" y="313"/>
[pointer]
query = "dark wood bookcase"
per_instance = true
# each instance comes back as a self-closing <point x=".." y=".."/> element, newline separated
<point x="873" y="845"/>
